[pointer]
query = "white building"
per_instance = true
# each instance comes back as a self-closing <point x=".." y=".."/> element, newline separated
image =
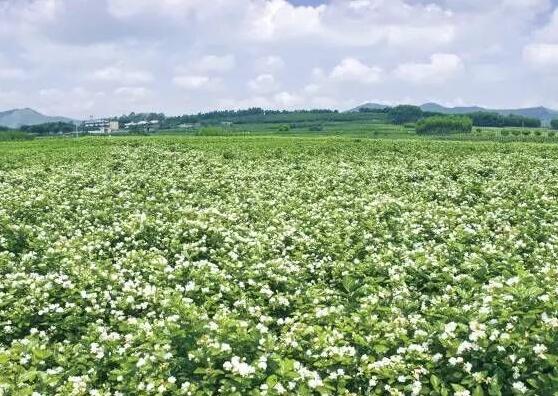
<point x="100" y="126"/>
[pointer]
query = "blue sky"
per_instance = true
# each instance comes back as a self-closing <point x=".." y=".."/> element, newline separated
<point x="105" y="57"/>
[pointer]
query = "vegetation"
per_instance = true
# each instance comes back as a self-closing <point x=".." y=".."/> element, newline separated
<point x="554" y="124"/>
<point x="10" y="135"/>
<point x="444" y="125"/>
<point x="405" y="114"/>
<point x="50" y="128"/>
<point x="212" y="265"/>
<point x="486" y="119"/>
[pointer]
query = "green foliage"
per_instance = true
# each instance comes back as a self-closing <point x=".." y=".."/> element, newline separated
<point x="316" y="128"/>
<point x="505" y="132"/>
<point x="248" y="266"/>
<point x="9" y="135"/>
<point x="50" y="128"/>
<point x="526" y="132"/>
<point x="554" y="124"/>
<point x="405" y="114"/>
<point x="487" y="119"/>
<point x="284" y="128"/>
<point x="212" y="131"/>
<point x="444" y="125"/>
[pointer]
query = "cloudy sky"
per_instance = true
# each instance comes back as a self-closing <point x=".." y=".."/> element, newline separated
<point x="105" y="57"/>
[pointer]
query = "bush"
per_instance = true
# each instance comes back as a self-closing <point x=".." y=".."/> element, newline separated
<point x="526" y="132"/>
<point x="537" y="133"/>
<point x="554" y="124"/>
<point x="516" y="132"/>
<point x="444" y="125"/>
<point x="505" y="132"/>
<point x="284" y="128"/>
<point x="551" y="134"/>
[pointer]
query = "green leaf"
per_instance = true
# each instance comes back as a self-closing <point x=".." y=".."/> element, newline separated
<point x="271" y="381"/>
<point x="478" y="391"/>
<point x="494" y="389"/>
<point x="349" y="284"/>
<point x="435" y="381"/>
<point x="381" y="348"/>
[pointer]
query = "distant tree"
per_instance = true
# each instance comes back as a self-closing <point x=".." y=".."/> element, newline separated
<point x="487" y="119"/>
<point x="554" y="124"/>
<point x="404" y="114"/>
<point x="444" y="125"/>
<point x="49" y="128"/>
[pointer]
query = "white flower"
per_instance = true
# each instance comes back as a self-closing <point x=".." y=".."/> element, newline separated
<point x="539" y="349"/>
<point x="519" y="387"/>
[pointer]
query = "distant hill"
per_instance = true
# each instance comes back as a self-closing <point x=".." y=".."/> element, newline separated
<point x="542" y="113"/>
<point x="19" y="117"/>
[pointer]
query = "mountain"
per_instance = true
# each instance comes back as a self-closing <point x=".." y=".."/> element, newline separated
<point x="542" y="113"/>
<point x="436" y="108"/>
<point x="19" y="117"/>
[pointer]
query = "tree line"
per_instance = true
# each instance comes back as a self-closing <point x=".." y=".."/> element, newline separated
<point x="411" y="114"/>
<point x="49" y="128"/>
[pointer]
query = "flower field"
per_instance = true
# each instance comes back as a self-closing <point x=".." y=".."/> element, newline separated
<point x="278" y="266"/>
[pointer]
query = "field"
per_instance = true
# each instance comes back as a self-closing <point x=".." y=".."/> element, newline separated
<point x="278" y="265"/>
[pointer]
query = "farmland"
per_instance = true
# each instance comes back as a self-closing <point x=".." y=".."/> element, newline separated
<point x="271" y="265"/>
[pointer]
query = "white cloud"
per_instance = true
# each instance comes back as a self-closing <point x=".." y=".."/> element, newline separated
<point x="353" y="70"/>
<point x="288" y="100"/>
<point x="236" y="51"/>
<point x="274" y="20"/>
<point x="133" y="93"/>
<point x="217" y="64"/>
<point x="120" y="75"/>
<point x="542" y="56"/>
<point x="270" y="64"/>
<point x="132" y="8"/>
<point x="440" y="68"/>
<point x="12" y="73"/>
<point x="196" y="82"/>
<point x="264" y="83"/>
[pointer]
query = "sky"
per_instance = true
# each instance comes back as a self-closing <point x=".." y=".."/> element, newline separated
<point x="82" y="58"/>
